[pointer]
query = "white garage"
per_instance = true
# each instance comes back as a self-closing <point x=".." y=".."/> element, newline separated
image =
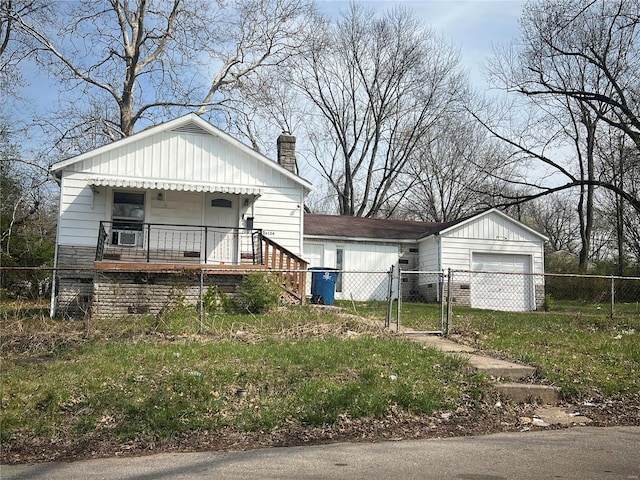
<point x="510" y="291"/>
<point x="496" y="261"/>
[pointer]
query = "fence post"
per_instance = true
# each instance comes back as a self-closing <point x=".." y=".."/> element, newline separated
<point x="446" y="330"/>
<point x="201" y="300"/>
<point x="387" y="322"/>
<point x="399" y="300"/>
<point x="613" y="296"/>
<point x="441" y="295"/>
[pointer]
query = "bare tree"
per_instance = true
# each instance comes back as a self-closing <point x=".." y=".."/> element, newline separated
<point x="556" y="217"/>
<point x="457" y="168"/>
<point x="583" y="55"/>
<point x="620" y="164"/>
<point x="131" y="62"/>
<point x="13" y="47"/>
<point x="378" y="84"/>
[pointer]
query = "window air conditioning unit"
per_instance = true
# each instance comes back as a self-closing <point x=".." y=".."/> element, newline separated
<point x="127" y="238"/>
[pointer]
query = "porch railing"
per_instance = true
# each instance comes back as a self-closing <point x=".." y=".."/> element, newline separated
<point x="199" y="244"/>
<point x="290" y="267"/>
<point x="152" y="242"/>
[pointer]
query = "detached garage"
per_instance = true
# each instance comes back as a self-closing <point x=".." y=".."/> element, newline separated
<point x="475" y="248"/>
<point x="479" y="247"/>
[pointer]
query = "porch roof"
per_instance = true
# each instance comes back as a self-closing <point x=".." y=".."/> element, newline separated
<point x="151" y="184"/>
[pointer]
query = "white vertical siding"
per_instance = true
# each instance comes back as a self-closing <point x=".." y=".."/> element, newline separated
<point x="81" y="211"/>
<point x="492" y="226"/>
<point x="457" y="252"/>
<point x="184" y="157"/>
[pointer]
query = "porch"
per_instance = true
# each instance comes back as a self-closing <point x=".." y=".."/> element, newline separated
<point x="164" y="248"/>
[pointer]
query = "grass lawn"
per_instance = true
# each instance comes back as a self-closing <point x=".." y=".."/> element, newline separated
<point x="153" y="379"/>
<point x="575" y="345"/>
<point x="156" y="378"/>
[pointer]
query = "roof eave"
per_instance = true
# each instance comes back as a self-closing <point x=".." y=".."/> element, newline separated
<point x="346" y="238"/>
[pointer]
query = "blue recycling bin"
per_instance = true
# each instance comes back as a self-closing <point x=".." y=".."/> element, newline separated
<point x="323" y="285"/>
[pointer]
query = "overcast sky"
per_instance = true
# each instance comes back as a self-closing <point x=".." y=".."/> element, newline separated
<point x="474" y="26"/>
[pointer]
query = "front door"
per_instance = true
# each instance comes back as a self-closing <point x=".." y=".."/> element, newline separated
<point x="221" y="218"/>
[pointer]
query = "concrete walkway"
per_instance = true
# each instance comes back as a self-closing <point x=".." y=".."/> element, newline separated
<point x="495" y="368"/>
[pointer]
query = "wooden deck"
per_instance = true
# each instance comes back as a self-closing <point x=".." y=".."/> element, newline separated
<point x="273" y="257"/>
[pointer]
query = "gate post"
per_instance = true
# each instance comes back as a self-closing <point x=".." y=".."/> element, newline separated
<point x="387" y="322"/>
<point x="446" y="330"/>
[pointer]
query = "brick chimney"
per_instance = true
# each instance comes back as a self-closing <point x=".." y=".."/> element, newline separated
<point x="287" y="152"/>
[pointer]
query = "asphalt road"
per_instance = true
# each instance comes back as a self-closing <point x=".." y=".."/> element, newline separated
<point x="576" y="453"/>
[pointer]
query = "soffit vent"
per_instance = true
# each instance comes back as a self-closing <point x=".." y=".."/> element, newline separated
<point x="190" y="128"/>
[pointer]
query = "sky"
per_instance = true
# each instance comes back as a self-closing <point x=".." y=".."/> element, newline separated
<point x="474" y="26"/>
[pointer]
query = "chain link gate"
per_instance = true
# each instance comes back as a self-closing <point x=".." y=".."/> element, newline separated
<point x="421" y="302"/>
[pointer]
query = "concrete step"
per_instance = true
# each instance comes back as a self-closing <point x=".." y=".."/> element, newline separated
<point x="500" y="368"/>
<point x="518" y="392"/>
<point x="523" y="392"/>
<point x="438" y="342"/>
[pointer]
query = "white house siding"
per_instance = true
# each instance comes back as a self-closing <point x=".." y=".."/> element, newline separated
<point x="365" y="257"/>
<point x="429" y="256"/>
<point x="205" y="159"/>
<point x="81" y="211"/>
<point x="492" y="226"/>
<point x="278" y="212"/>
<point x="457" y="252"/>
<point x="183" y="157"/>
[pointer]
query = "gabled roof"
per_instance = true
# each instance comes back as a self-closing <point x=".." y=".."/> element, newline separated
<point x="384" y="229"/>
<point x="359" y="227"/>
<point x="463" y="221"/>
<point x="190" y="123"/>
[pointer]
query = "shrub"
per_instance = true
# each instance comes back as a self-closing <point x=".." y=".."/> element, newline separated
<point x="215" y="300"/>
<point x="258" y="293"/>
<point x="548" y="303"/>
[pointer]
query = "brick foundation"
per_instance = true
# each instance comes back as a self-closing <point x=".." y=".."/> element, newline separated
<point x="74" y="288"/>
<point x="118" y="294"/>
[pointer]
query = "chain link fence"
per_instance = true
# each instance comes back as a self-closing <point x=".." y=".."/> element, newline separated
<point x="456" y="292"/>
<point x="425" y="301"/>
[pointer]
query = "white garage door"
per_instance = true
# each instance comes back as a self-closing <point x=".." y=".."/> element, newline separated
<point x="509" y="290"/>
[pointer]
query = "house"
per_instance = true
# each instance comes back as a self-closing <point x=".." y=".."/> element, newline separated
<point x="487" y="242"/>
<point x="173" y="197"/>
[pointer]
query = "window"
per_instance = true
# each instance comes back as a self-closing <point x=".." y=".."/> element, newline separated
<point x="128" y="216"/>
<point x="128" y="206"/>
<point x="339" y="266"/>
<point x="221" y="202"/>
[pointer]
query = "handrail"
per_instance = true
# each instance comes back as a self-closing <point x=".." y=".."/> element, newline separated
<point x="291" y="268"/>
<point x="102" y="240"/>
